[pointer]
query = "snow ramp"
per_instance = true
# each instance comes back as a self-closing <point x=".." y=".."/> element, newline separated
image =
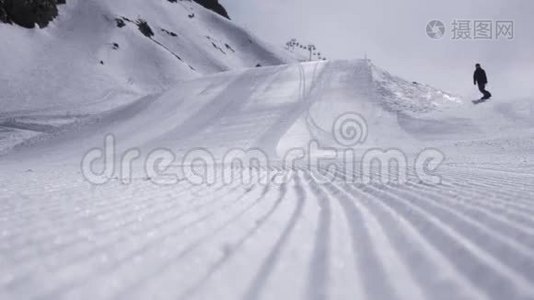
<point x="271" y="108"/>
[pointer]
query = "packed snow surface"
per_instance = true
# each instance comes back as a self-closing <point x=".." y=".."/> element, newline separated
<point x="469" y="237"/>
<point x="286" y="233"/>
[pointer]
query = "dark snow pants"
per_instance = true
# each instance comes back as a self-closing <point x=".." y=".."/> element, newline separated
<point x="482" y="88"/>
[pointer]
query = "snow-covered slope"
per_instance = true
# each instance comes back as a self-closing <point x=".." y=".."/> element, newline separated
<point x="469" y="237"/>
<point x="95" y="54"/>
<point x="270" y="108"/>
<point x="403" y="96"/>
<point x="286" y="234"/>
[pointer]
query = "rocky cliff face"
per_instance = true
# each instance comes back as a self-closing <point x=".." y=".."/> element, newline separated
<point x="3" y="13"/>
<point x="27" y="13"/>
<point x="215" y="6"/>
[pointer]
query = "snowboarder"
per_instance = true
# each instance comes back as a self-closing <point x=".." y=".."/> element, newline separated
<point x="481" y="79"/>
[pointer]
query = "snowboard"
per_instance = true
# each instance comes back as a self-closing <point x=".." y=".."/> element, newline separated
<point x="479" y="101"/>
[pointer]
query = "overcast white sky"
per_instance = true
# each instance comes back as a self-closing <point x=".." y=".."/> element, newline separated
<point x="392" y="33"/>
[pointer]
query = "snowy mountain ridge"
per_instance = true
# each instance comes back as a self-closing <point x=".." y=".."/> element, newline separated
<point x="42" y="12"/>
<point x="97" y="50"/>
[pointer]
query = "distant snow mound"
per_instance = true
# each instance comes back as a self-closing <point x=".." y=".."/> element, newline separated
<point x="400" y="95"/>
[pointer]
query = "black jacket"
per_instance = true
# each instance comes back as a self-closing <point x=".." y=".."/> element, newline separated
<point x="480" y="77"/>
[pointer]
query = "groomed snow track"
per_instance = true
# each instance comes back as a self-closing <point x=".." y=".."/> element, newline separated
<point x="470" y="237"/>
